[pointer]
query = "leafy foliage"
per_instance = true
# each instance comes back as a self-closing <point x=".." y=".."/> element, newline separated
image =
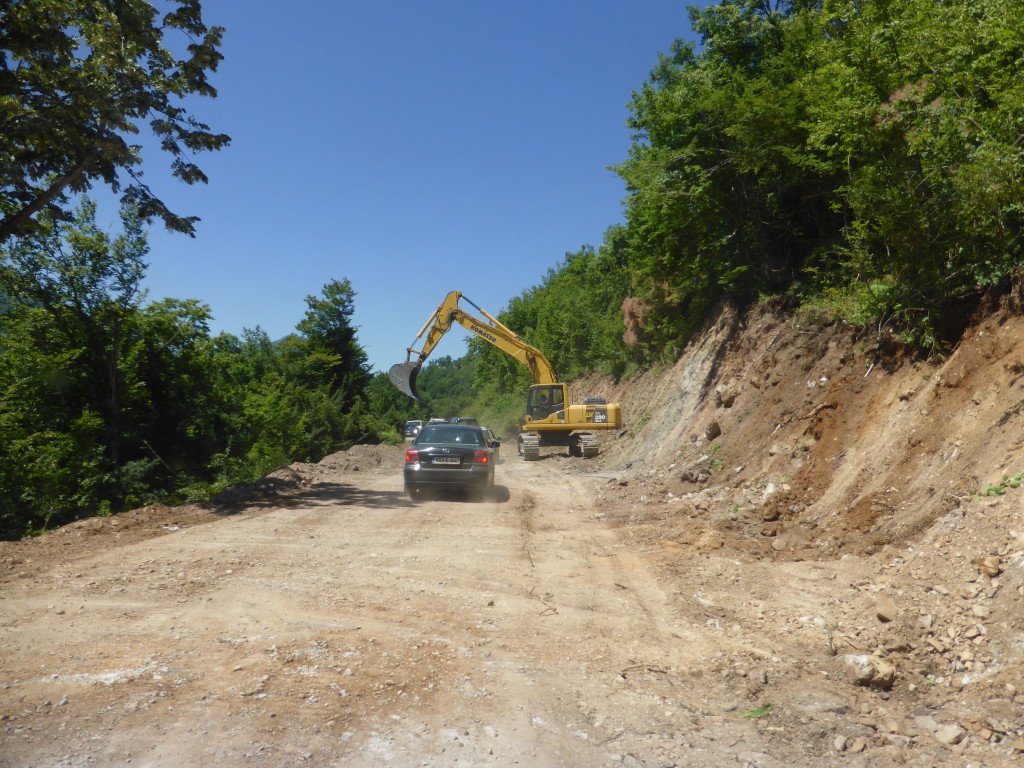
<point x="573" y="316"/>
<point x="78" y="78"/>
<point x="107" y="403"/>
<point x="869" y="150"/>
<point x="446" y="387"/>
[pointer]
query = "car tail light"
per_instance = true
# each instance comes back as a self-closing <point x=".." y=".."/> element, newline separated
<point x="480" y="457"/>
<point x="411" y="456"/>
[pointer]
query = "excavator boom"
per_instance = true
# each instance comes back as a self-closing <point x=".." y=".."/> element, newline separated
<point x="489" y="328"/>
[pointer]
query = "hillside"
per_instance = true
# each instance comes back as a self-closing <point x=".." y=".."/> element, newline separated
<point x="818" y="584"/>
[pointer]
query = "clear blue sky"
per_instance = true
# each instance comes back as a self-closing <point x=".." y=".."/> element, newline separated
<point x="412" y="147"/>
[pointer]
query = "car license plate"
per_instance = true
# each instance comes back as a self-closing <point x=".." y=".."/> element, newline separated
<point x="447" y="460"/>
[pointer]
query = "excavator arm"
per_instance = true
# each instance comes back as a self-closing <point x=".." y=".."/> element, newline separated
<point x="487" y="327"/>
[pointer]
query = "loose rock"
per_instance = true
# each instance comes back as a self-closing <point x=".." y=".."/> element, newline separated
<point x="950" y="734"/>
<point x="990" y="566"/>
<point x="871" y="671"/>
<point x="885" y="609"/>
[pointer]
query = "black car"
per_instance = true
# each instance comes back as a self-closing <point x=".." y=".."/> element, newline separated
<point x="412" y="428"/>
<point x="449" y="456"/>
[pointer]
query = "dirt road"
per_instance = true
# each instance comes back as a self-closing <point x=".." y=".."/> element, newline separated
<point x="348" y="626"/>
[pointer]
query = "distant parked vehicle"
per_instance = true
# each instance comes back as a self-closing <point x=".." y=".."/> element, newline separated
<point x="412" y="428"/>
<point x="492" y="441"/>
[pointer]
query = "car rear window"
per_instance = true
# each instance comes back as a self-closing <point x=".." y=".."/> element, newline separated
<point x="451" y="436"/>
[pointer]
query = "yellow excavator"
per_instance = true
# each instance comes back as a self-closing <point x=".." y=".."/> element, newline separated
<point x="550" y="418"/>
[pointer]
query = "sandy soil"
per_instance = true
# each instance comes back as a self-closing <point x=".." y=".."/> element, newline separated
<point x="769" y="602"/>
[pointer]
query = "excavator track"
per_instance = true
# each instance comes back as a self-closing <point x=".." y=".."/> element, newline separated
<point x="583" y="444"/>
<point x="529" y="446"/>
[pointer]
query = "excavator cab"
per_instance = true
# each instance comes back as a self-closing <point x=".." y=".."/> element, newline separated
<point x="544" y="399"/>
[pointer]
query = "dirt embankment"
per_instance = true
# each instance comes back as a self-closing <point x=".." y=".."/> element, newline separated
<point x="783" y="559"/>
<point x="836" y="443"/>
<point x="777" y="440"/>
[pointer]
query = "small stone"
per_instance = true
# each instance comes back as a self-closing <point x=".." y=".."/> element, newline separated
<point x="839" y="744"/>
<point x="980" y="611"/>
<point x="712" y="430"/>
<point x="950" y="735"/>
<point x="885" y="609"/>
<point x="990" y="566"/>
<point x="726" y="393"/>
<point x="1018" y="745"/>
<point x="858" y="745"/>
<point x="871" y="671"/>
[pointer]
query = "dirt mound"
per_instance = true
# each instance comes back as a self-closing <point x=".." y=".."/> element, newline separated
<point x="299" y="477"/>
<point x="287" y="485"/>
<point x="371" y="459"/>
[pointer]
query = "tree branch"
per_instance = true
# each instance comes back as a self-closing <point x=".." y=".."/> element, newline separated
<point x="12" y="224"/>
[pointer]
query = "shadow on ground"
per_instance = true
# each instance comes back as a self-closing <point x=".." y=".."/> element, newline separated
<point x="499" y="495"/>
<point x="272" y="492"/>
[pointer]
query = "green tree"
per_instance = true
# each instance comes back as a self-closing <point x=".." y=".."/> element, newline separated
<point x="867" y="153"/>
<point x="90" y="285"/>
<point x="78" y="78"/>
<point x="51" y="452"/>
<point x="328" y="330"/>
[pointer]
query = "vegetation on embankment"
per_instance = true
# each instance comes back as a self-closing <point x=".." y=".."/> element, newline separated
<point x="865" y="160"/>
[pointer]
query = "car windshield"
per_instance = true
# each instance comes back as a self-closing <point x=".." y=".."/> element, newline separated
<point x="449" y="436"/>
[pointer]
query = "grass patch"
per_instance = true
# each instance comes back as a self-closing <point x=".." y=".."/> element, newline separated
<point x="1005" y="483"/>
<point x="763" y="711"/>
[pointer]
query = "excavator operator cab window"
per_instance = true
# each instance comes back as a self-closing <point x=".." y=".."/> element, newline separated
<point x="543" y="400"/>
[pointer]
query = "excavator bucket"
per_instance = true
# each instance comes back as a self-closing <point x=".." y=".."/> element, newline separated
<point x="403" y="376"/>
